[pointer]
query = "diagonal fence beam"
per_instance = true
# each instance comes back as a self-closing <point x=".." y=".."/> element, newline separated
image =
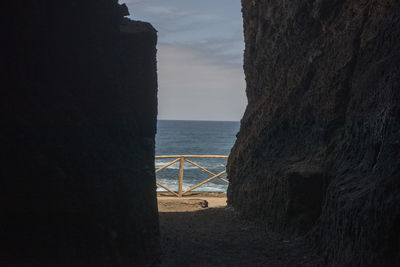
<point x="167" y="165"/>
<point x="205" y="181"/>
<point x="204" y="169"/>
<point x="166" y="188"/>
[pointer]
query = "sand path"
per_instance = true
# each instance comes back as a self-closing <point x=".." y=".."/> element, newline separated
<point x="194" y="235"/>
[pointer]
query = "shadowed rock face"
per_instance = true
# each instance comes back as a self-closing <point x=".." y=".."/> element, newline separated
<point x="78" y="118"/>
<point x="318" y="151"/>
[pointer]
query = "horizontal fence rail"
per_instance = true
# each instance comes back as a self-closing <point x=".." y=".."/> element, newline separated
<point x="182" y="159"/>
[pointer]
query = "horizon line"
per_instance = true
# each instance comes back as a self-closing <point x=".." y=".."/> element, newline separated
<point x="197" y="120"/>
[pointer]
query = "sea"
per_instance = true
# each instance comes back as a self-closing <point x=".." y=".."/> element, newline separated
<point x="178" y="137"/>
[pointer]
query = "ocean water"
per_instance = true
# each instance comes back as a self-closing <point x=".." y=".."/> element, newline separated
<point x="194" y="138"/>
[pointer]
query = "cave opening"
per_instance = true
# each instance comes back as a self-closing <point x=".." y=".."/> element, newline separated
<point x="201" y="89"/>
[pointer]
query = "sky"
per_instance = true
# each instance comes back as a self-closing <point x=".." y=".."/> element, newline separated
<point x="200" y="54"/>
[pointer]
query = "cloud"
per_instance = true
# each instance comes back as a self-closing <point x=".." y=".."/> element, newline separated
<point x="176" y="13"/>
<point x="195" y="84"/>
<point x="228" y="50"/>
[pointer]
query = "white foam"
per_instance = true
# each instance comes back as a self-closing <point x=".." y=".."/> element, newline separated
<point x="173" y="185"/>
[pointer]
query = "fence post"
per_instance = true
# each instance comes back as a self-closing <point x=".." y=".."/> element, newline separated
<point x="180" y="176"/>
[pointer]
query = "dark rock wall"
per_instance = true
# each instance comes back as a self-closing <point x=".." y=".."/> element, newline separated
<point x="78" y="117"/>
<point x="318" y="151"/>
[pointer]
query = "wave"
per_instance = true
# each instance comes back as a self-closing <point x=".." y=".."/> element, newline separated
<point x="173" y="185"/>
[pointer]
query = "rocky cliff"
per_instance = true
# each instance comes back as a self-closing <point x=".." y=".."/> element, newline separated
<point x="318" y="151"/>
<point x="78" y="118"/>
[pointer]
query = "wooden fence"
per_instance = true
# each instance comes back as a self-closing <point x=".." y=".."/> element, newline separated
<point x="182" y="159"/>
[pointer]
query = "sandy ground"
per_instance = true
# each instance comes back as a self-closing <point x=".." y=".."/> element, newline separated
<point x="199" y="230"/>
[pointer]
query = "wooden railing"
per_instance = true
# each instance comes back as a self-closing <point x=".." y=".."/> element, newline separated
<point x="182" y="159"/>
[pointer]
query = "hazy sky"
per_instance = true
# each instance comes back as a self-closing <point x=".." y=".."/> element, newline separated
<point x="200" y="51"/>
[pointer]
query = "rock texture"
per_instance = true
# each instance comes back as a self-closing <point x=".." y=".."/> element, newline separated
<point x="318" y="151"/>
<point x="78" y="118"/>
